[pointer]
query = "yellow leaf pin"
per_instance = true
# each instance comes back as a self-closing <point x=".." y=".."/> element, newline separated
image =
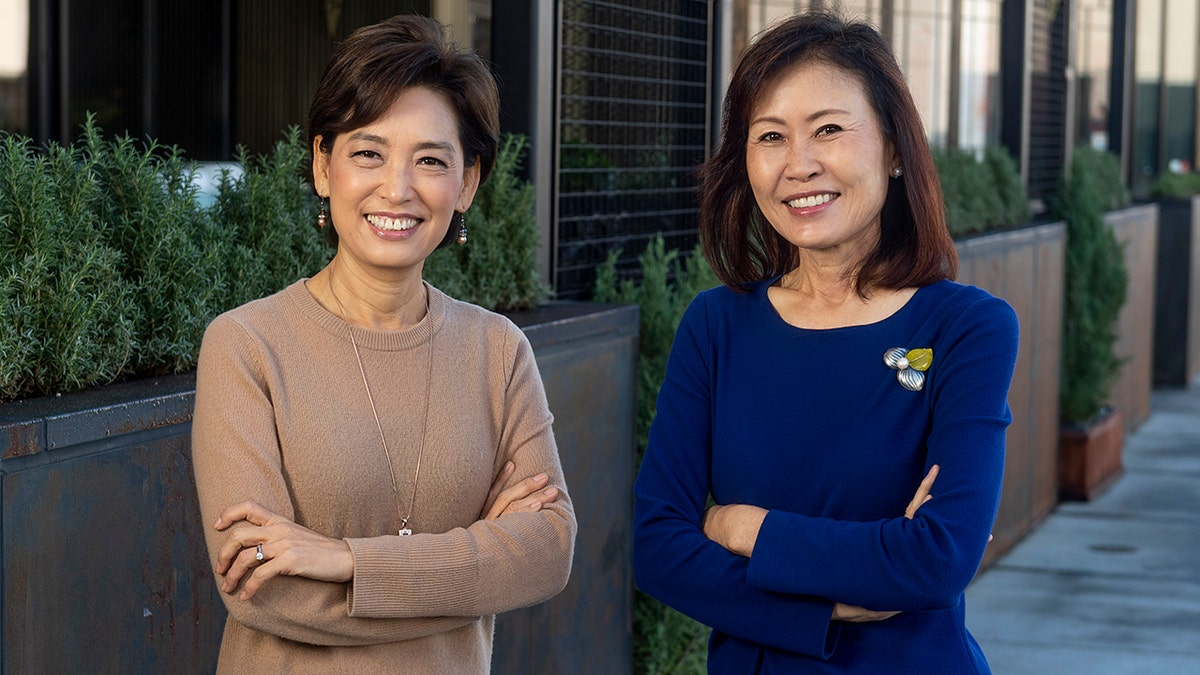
<point x="910" y="365"/>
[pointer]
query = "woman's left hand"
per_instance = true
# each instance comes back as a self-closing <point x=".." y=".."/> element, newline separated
<point x="287" y="548"/>
<point x="525" y="495"/>
<point x="734" y="526"/>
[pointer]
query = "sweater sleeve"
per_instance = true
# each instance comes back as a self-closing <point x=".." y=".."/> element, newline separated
<point x="926" y="562"/>
<point x="236" y="457"/>
<point x="672" y="558"/>
<point x="514" y="561"/>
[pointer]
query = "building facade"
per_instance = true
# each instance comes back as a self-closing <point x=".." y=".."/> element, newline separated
<point x="621" y="98"/>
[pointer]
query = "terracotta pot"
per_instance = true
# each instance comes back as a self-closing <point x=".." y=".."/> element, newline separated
<point x="1089" y="458"/>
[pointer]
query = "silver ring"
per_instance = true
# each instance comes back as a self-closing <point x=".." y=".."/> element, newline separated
<point x="259" y="555"/>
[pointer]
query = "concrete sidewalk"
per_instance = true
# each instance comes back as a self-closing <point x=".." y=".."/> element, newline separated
<point x="1110" y="586"/>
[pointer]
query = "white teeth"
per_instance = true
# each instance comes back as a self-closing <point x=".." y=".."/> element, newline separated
<point x="392" y="224"/>
<point x="810" y="201"/>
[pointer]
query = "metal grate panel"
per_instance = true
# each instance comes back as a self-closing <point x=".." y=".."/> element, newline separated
<point x="1048" y="99"/>
<point x="633" y="126"/>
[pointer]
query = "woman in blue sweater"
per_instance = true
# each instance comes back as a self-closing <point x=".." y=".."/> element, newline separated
<point x="818" y="395"/>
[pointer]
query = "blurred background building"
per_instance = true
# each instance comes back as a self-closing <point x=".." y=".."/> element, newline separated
<point x="621" y="98"/>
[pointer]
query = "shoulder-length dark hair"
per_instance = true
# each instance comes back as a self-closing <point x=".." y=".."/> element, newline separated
<point x="914" y="249"/>
<point x="377" y="63"/>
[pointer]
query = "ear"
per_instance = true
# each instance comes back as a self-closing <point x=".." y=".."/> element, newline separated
<point x="894" y="157"/>
<point x="320" y="168"/>
<point x="470" y="185"/>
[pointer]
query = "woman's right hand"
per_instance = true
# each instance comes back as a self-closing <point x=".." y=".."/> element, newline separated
<point x="526" y="495"/>
<point x="923" y="493"/>
<point x="853" y="614"/>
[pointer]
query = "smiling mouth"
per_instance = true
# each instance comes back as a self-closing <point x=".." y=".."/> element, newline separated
<point x="392" y="224"/>
<point x="810" y="201"/>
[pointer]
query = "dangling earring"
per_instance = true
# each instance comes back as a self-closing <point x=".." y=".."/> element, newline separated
<point x="462" y="229"/>
<point x="897" y="172"/>
<point x="322" y="217"/>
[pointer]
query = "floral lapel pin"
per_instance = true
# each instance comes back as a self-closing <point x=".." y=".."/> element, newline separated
<point x="910" y="365"/>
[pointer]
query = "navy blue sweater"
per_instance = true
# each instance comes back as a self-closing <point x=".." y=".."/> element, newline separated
<point x="814" y="426"/>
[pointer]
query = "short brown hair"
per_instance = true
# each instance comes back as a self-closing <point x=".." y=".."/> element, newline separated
<point x="914" y="249"/>
<point x="377" y="63"/>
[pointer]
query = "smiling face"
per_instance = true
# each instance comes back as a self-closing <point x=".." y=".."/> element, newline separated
<point x="394" y="184"/>
<point x="817" y="160"/>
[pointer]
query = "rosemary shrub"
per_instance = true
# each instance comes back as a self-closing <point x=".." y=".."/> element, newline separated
<point x="1095" y="287"/>
<point x="110" y="269"/>
<point x="665" y="641"/>
<point x="267" y="218"/>
<point x="66" y="316"/>
<point x="497" y="268"/>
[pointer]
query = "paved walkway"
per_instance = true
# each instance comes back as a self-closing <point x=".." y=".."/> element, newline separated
<point x="1111" y="586"/>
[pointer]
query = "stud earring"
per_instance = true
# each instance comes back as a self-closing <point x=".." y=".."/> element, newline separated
<point x="462" y="229"/>
<point x="322" y="217"/>
<point x="897" y="172"/>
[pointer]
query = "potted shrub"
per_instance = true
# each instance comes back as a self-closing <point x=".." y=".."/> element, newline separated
<point x="1136" y="228"/>
<point x="1177" y="300"/>
<point x="1092" y="433"/>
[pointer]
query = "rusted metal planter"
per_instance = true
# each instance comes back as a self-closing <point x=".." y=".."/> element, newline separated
<point x="1025" y="267"/>
<point x="1177" y="298"/>
<point x="587" y="355"/>
<point x="1136" y="227"/>
<point x="105" y="568"/>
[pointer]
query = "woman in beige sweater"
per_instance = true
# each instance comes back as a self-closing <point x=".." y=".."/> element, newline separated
<point x="358" y="436"/>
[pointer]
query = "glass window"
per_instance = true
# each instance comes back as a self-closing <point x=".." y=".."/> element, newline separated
<point x="922" y="46"/>
<point x="1179" y="82"/>
<point x="1147" y="76"/>
<point x="14" y="66"/>
<point x="979" y="81"/>
<point x="762" y="13"/>
<point x="1093" y="65"/>
<point x="105" y="74"/>
<point x="921" y="41"/>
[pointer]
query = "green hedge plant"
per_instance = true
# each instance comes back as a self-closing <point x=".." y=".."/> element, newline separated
<point x="1105" y="170"/>
<point x="67" y="317"/>
<point x="497" y="268"/>
<point x="266" y="215"/>
<point x="983" y="191"/>
<point x="110" y="268"/>
<point x="148" y="209"/>
<point x="1172" y="185"/>
<point x="665" y="641"/>
<point x="1095" y="288"/>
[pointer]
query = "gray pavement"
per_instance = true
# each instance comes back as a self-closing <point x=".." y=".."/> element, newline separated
<point x="1110" y="586"/>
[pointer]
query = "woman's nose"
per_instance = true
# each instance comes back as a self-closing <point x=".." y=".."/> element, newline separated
<point x="396" y="183"/>
<point x="802" y="162"/>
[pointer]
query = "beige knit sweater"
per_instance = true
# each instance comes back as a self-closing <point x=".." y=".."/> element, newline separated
<point x="282" y="418"/>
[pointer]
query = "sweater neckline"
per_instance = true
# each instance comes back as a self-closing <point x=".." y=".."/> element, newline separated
<point x="379" y="340"/>
<point x="761" y="293"/>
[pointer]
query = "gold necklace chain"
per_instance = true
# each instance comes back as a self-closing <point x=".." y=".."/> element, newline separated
<point x="412" y="502"/>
